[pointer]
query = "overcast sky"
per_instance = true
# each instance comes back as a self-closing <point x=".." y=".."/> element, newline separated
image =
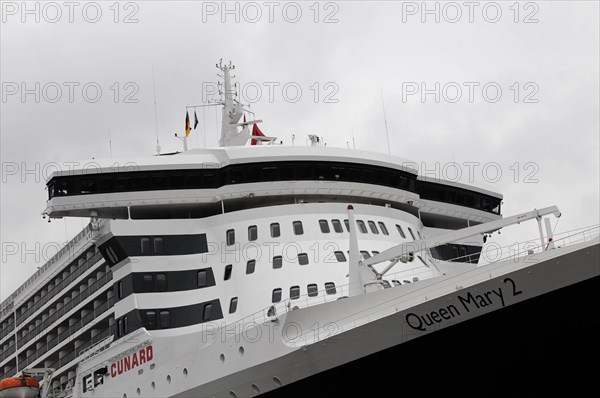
<point x="517" y="91"/>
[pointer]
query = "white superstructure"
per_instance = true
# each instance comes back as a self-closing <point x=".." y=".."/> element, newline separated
<point x="188" y="253"/>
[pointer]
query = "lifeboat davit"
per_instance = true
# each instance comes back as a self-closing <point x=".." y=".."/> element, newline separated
<point x="19" y="387"/>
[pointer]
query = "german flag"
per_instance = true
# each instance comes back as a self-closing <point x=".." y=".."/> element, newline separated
<point x="188" y="128"/>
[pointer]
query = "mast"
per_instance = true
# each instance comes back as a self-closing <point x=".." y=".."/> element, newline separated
<point x="232" y="110"/>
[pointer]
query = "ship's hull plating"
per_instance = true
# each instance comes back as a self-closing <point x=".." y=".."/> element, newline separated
<point x="543" y="338"/>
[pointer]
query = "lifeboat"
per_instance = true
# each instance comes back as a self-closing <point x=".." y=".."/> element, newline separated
<point x="19" y="387"/>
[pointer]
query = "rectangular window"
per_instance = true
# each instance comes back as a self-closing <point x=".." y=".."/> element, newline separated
<point x="207" y="313"/>
<point x="324" y="226"/>
<point x="125" y="327"/>
<point x="202" y="278"/>
<point x="401" y="231"/>
<point x="150" y="320"/>
<point x="385" y="284"/>
<point x="120" y="290"/>
<point x="165" y="319"/>
<point x="303" y="258"/>
<point x="120" y="328"/>
<point x="159" y="245"/>
<point x="375" y="252"/>
<point x="365" y="254"/>
<point x="340" y="256"/>
<point x="250" y="265"/>
<point x="337" y="226"/>
<point x="419" y="233"/>
<point x="313" y="290"/>
<point x="252" y="233"/>
<point x="412" y="233"/>
<point x="298" y="229"/>
<point x="227" y="274"/>
<point x="383" y="228"/>
<point x="112" y="256"/>
<point x="373" y="227"/>
<point x="396" y="282"/>
<point x="361" y="226"/>
<point x="145" y="242"/>
<point x="230" y="237"/>
<point x="330" y="288"/>
<point x="148" y="283"/>
<point x="275" y="230"/>
<point x="294" y="292"/>
<point x="276" y="297"/>
<point x="277" y="262"/>
<point x="347" y="224"/>
<point x="233" y="305"/>
<point x="161" y="282"/>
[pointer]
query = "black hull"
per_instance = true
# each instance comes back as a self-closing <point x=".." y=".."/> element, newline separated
<point x="544" y="344"/>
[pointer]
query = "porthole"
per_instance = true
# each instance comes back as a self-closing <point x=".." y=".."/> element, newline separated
<point x="232" y="394"/>
<point x="138" y="391"/>
<point x="241" y="351"/>
<point x="255" y="389"/>
<point x="222" y="358"/>
<point x="153" y="385"/>
<point x="277" y="381"/>
<point x="169" y="379"/>
<point x="185" y="372"/>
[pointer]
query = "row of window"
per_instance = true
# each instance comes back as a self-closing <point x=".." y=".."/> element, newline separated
<point x="261" y="172"/>
<point x="311" y="289"/>
<point x="275" y="229"/>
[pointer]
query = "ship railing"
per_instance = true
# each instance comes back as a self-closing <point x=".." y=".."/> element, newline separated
<point x="493" y="253"/>
<point x="86" y="233"/>
<point x="96" y="349"/>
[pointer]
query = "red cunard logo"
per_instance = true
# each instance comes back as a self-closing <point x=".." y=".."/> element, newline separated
<point x="131" y="361"/>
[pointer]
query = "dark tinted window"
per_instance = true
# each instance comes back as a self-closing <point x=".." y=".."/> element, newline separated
<point x="145" y="242"/>
<point x="298" y="229"/>
<point x="313" y="290"/>
<point x="330" y="288"/>
<point x="159" y="245"/>
<point x="401" y="231"/>
<point x="277" y="262"/>
<point x="412" y="233"/>
<point x="250" y="265"/>
<point x="161" y="282"/>
<point x="150" y="320"/>
<point x="233" y="305"/>
<point x="207" y="313"/>
<point x="361" y="226"/>
<point x="148" y="283"/>
<point x="340" y="256"/>
<point x="201" y="278"/>
<point x="227" y="274"/>
<point x="373" y="227"/>
<point x="165" y="319"/>
<point x="347" y="224"/>
<point x="303" y="258"/>
<point x="294" y="292"/>
<point x="252" y="233"/>
<point x="337" y="226"/>
<point x="230" y="237"/>
<point x="383" y="228"/>
<point x="276" y="296"/>
<point x="275" y="230"/>
<point x="324" y="226"/>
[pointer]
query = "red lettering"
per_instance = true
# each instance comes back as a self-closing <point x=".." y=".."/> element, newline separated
<point x="149" y="353"/>
<point x="113" y="370"/>
<point x="134" y="360"/>
<point x="127" y="365"/>
<point x="142" y="356"/>
<point x="120" y="366"/>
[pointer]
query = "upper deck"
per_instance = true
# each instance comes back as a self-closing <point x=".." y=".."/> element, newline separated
<point x="110" y="188"/>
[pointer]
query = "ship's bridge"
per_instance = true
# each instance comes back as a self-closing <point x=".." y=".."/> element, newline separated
<point x="204" y="182"/>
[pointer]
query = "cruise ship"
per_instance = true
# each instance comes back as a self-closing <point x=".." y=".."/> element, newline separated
<point x="258" y="268"/>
